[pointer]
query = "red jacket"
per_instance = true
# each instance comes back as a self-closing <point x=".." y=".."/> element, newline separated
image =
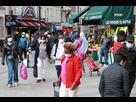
<point x="116" y="46"/>
<point x="73" y="70"/>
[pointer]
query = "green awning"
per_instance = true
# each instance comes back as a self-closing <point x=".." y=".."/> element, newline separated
<point x="119" y="15"/>
<point x="75" y="18"/>
<point x="95" y="15"/>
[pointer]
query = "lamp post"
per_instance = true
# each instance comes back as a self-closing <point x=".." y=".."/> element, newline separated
<point x="39" y="19"/>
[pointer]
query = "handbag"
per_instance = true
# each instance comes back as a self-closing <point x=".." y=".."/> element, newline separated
<point x="35" y="71"/>
<point x="11" y="57"/>
<point x="23" y="71"/>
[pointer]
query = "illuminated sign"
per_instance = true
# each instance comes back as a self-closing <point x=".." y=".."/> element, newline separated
<point x="10" y="20"/>
<point x="29" y="12"/>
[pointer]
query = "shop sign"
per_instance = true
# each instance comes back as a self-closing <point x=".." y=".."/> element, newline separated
<point x="118" y="22"/>
<point x="29" y="12"/>
<point x="10" y="20"/>
<point x="29" y="18"/>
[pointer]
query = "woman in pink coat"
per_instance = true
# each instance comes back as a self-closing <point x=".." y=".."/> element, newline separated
<point x="82" y="44"/>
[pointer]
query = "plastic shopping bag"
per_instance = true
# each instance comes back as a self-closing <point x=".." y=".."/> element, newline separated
<point x="111" y="58"/>
<point x="23" y="71"/>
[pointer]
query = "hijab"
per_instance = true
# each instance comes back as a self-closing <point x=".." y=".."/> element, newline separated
<point x="84" y="45"/>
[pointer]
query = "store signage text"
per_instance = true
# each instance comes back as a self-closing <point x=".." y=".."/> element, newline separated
<point x="118" y="14"/>
<point x="118" y="22"/>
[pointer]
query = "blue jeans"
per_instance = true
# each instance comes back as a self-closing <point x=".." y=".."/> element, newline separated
<point x="83" y="68"/>
<point x="58" y="69"/>
<point x="12" y="70"/>
<point x="103" y="52"/>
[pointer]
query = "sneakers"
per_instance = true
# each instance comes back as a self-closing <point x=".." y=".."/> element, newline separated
<point x="9" y="86"/>
<point x="105" y="65"/>
<point x="100" y="65"/>
<point x="40" y="80"/>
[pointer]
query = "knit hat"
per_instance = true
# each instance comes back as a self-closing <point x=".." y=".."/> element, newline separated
<point x="69" y="47"/>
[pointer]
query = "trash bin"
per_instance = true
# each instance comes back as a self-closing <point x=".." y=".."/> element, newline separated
<point x="94" y="54"/>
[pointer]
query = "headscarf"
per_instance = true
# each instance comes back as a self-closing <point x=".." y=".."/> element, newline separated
<point x="84" y="45"/>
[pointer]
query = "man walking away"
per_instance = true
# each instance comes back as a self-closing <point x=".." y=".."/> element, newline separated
<point x="114" y="81"/>
<point x="105" y="46"/>
<point x="120" y="41"/>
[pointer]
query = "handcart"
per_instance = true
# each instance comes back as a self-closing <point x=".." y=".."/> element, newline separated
<point x="93" y="67"/>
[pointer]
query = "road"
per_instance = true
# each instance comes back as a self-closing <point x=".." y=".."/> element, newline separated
<point x="30" y="88"/>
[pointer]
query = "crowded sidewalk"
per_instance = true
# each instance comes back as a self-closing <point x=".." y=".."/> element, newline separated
<point x="30" y="88"/>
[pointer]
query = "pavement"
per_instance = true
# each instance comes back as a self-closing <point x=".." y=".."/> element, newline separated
<point x="30" y="88"/>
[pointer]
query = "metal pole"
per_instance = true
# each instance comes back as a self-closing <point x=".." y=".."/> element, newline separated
<point x="78" y="22"/>
<point x="39" y="19"/>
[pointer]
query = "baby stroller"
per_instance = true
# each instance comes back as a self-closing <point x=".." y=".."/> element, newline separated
<point x="93" y="67"/>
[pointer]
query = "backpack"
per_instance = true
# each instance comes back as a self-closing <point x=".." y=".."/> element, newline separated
<point x="56" y="49"/>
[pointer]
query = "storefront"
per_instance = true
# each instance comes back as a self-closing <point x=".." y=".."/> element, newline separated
<point x="25" y="23"/>
<point x="116" y="16"/>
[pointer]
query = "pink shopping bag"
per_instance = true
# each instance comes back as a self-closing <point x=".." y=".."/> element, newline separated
<point x="23" y="71"/>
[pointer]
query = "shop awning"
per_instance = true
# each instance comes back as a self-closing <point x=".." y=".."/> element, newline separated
<point x="95" y="15"/>
<point x="119" y="15"/>
<point x="75" y="18"/>
<point x="31" y="24"/>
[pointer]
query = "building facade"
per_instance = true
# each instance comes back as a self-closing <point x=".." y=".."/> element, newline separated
<point x="51" y="15"/>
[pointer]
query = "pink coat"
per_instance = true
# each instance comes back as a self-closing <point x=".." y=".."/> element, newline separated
<point x="78" y="45"/>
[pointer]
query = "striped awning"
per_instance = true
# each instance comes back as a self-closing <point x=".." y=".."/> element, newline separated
<point x="31" y="23"/>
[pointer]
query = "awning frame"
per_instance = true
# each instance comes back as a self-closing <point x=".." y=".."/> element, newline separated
<point x="75" y="18"/>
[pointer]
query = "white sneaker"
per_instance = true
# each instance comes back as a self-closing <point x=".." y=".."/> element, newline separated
<point x="100" y="65"/>
<point x="105" y="65"/>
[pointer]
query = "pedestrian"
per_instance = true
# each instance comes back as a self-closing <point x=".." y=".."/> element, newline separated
<point x="76" y="52"/>
<point x="106" y="43"/>
<point x="120" y="41"/>
<point x="37" y="34"/>
<point x="28" y="36"/>
<point x="16" y="37"/>
<point x="131" y="63"/>
<point x="71" y="69"/>
<point x="66" y="37"/>
<point x="11" y="49"/>
<point x="42" y="56"/>
<point x="114" y="81"/>
<point x="82" y="46"/>
<point x="91" y="39"/>
<point x="33" y="48"/>
<point x="23" y="44"/>
<point x="58" y="51"/>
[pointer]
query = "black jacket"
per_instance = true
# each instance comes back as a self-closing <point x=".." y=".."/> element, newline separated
<point x="48" y="50"/>
<point x="107" y="42"/>
<point x="33" y="45"/>
<point x="131" y="62"/>
<point x="7" y="50"/>
<point x="114" y="82"/>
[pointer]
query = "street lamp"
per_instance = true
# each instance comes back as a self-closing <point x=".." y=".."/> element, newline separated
<point x="39" y="19"/>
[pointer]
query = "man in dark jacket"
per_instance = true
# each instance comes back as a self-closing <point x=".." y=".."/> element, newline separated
<point x="33" y="46"/>
<point x="105" y="46"/>
<point x="114" y="81"/>
<point x="131" y="63"/>
<point x="16" y="37"/>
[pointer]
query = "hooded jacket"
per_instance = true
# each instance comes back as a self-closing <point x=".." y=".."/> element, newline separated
<point x="117" y="45"/>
